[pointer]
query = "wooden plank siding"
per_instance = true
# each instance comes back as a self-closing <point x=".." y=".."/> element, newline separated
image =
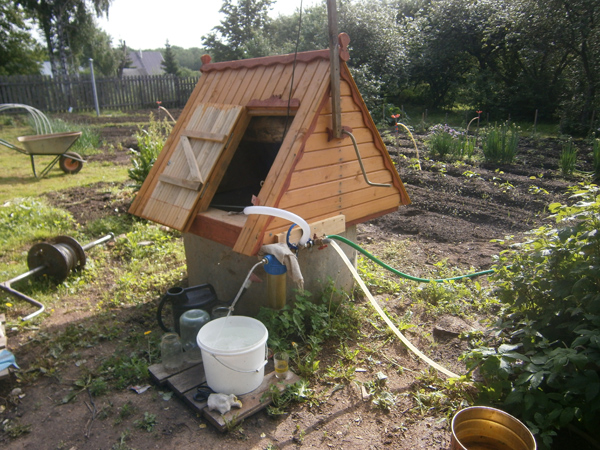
<point x="311" y="176"/>
<point x="327" y="178"/>
<point x="301" y="127"/>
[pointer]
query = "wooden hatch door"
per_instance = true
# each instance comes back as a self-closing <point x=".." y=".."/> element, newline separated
<point x="188" y="171"/>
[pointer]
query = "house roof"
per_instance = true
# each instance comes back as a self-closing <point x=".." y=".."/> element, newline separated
<point x="312" y="175"/>
<point x="144" y="63"/>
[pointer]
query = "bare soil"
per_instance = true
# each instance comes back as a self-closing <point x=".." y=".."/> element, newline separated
<point x="455" y="212"/>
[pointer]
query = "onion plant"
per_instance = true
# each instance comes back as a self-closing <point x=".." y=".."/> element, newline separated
<point x="444" y="142"/>
<point x="500" y="143"/>
<point x="596" y="153"/>
<point x="568" y="158"/>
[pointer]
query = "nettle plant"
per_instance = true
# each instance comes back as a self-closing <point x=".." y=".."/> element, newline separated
<point x="150" y="143"/>
<point x="544" y="362"/>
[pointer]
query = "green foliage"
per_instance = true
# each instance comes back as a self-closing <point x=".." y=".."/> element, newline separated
<point x="444" y="142"/>
<point x="150" y="143"/>
<point x="596" y="159"/>
<point x="26" y="220"/>
<point x="125" y="370"/>
<point x="434" y="394"/>
<point x="19" y="52"/>
<point x="242" y="28"/>
<point x="568" y="158"/>
<point x="543" y="364"/>
<point x="147" y="423"/>
<point x="169" y="62"/>
<point x="87" y="144"/>
<point x="14" y="429"/>
<point x="382" y="398"/>
<point x="66" y="27"/>
<point x="298" y="392"/>
<point x="500" y="143"/>
<point x="307" y="322"/>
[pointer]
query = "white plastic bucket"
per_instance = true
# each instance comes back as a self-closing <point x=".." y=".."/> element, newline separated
<point x="234" y="353"/>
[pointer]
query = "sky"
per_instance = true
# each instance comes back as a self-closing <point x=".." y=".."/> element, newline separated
<point x="147" y="24"/>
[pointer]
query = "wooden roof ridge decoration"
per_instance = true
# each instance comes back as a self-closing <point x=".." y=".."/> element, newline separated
<point x="253" y="63"/>
<point x="314" y="176"/>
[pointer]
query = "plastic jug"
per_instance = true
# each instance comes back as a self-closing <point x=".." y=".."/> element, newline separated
<point x="196" y="297"/>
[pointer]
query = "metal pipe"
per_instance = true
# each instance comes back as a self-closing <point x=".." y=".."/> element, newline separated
<point x="6" y="285"/>
<point x="362" y="167"/>
<point x="94" y="91"/>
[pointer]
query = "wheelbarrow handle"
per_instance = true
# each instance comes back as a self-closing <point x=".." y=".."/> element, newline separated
<point x="13" y="147"/>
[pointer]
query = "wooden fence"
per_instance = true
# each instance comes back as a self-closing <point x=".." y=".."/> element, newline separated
<point x="76" y="93"/>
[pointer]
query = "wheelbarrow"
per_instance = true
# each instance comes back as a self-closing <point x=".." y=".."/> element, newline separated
<point x="45" y="142"/>
<point x="54" y="144"/>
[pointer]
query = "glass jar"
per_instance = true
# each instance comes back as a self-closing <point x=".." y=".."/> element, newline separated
<point x="219" y="311"/>
<point x="190" y="323"/>
<point x="171" y="352"/>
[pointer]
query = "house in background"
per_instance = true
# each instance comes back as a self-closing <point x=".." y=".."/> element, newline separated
<point x="144" y="63"/>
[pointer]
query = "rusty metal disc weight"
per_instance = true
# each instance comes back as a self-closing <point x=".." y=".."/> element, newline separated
<point x="59" y="257"/>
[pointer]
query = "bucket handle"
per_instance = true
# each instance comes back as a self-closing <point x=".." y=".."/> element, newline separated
<point x="245" y="371"/>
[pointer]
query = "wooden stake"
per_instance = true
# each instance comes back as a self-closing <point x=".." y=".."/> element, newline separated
<point x="334" y="56"/>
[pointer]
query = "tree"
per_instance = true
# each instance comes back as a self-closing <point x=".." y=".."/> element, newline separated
<point x="19" y="52"/>
<point x="97" y="44"/>
<point x="169" y="62"/>
<point x="577" y="29"/>
<point x="122" y="57"/>
<point x="245" y="21"/>
<point x="62" y="23"/>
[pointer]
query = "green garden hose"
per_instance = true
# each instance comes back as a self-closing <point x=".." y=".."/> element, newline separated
<point x="397" y="272"/>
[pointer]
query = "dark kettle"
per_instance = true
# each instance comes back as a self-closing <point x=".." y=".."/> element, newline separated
<point x="182" y="300"/>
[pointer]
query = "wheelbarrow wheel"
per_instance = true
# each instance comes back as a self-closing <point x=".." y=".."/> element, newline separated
<point x="70" y="162"/>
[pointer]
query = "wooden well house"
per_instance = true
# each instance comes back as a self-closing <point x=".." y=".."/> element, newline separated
<point x="259" y="132"/>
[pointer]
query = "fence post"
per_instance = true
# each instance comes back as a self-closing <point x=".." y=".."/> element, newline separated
<point x="94" y="88"/>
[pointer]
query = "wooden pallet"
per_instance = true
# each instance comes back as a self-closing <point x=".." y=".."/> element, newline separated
<point x="186" y="380"/>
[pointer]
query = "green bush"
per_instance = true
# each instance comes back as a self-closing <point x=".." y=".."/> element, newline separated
<point x="544" y="362"/>
<point x="500" y="143"/>
<point x="150" y="144"/>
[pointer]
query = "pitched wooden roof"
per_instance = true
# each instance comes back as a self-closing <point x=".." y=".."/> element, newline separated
<point x="311" y="175"/>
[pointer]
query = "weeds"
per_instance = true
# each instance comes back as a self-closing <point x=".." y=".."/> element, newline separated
<point x="299" y="392"/>
<point x="26" y="220"/>
<point x="310" y="324"/>
<point x="14" y="429"/>
<point x="382" y="398"/>
<point x="147" y="423"/>
<point x="150" y="143"/>
<point x="431" y="393"/>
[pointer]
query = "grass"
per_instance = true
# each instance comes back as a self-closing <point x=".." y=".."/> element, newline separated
<point x="17" y="180"/>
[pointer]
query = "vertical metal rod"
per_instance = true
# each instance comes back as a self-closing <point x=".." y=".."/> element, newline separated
<point x="334" y="56"/>
<point x="94" y="88"/>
